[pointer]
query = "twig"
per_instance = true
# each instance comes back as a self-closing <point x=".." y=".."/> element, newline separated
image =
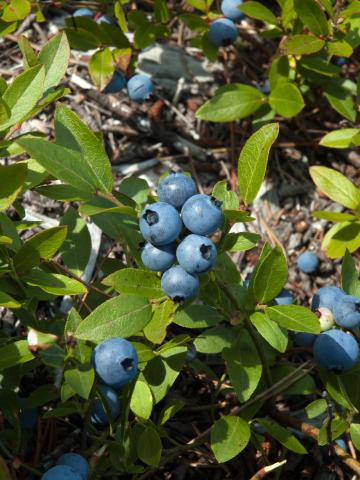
<point x="263" y="472"/>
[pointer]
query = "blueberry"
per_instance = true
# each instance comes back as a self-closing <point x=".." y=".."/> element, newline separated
<point x="342" y="444"/>
<point x="308" y="262"/>
<point x="28" y="416"/>
<point x="347" y="311"/>
<point x="284" y="298"/>
<point x="61" y="472"/>
<point x="140" y="87"/>
<point x="338" y="61"/>
<point x="202" y="214"/>
<point x="83" y="12"/>
<point x="222" y="32"/>
<point x="115" y="362"/>
<point x="105" y="19"/>
<point x="336" y="351"/>
<point x="158" y="259"/>
<point x="327" y="297"/>
<point x="98" y="414"/>
<point x="230" y="9"/>
<point x="116" y="84"/>
<point x="196" y="254"/>
<point x="160" y="223"/>
<point x="326" y="318"/>
<point x="76" y="462"/>
<point x="191" y="352"/>
<point x="179" y="285"/>
<point x="176" y="188"/>
<point x="303" y="339"/>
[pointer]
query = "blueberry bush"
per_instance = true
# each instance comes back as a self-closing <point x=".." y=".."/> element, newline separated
<point x="109" y="355"/>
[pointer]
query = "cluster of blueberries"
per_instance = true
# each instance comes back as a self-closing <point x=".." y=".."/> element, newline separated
<point x="116" y="363"/>
<point x="333" y="349"/>
<point x="223" y="31"/>
<point x="177" y="253"/>
<point x="139" y="87"/>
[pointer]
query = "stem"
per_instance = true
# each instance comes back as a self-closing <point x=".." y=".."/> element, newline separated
<point x="11" y="457"/>
<point x="109" y="196"/>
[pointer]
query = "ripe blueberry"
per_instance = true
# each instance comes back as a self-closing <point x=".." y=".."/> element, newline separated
<point x="116" y="84"/>
<point x="327" y="297"/>
<point x="61" y="472"/>
<point x="196" y="254"/>
<point x="191" y="353"/>
<point x="140" y="87"/>
<point x="99" y="415"/>
<point x="347" y="311"/>
<point x="230" y="9"/>
<point x="202" y="214"/>
<point x="303" y="339"/>
<point x="336" y="351"/>
<point x="176" y="188"/>
<point x="158" y="259"/>
<point x="179" y="285"/>
<point x="222" y="32"/>
<point x="338" y="61"/>
<point x="284" y="298"/>
<point x="160" y="223"/>
<point x="105" y="19"/>
<point x="76" y="462"/>
<point x="83" y="12"/>
<point x="342" y="444"/>
<point x="28" y="416"/>
<point x="115" y="361"/>
<point x="308" y="262"/>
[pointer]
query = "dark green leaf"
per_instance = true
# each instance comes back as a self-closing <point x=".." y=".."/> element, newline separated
<point x="258" y="11"/>
<point x="54" y="283"/>
<point x="133" y="281"/>
<point x="283" y="436"/>
<point x="198" y="316"/>
<point x="149" y="446"/>
<point x="294" y="317"/>
<point x="270" y="277"/>
<point x="312" y="16"/>
<point x="273" y="334"/>
<point x="301" y="45"/>
<point x="14" y="354"/>
<point x="12" y="178"/>
<point x="229" y="436"/>
<point x="55" y="56"/>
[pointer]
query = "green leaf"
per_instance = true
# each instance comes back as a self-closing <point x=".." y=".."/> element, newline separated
<point x="273" y="334"/>
<point x="149" y="446"/>
<point x="41" y="246"/>
<point x="312" y="16"/>
<point x="68" y="126"/>
<point x="355" y="434"/>
<point x="259" y="12"/>
<point x="294" y="317"/>
<point x="340" y="48"/>
<point x="80" y="380"/>
<point x="23" y="93"/>
<point x="198" y="4"/>
<point x="54" y="283"/>
<point x="349" y="276"/>
<point x="335" y="387"/>
<point x="135" y="188"/>
<point x="15" y="353"/>
<point x="301" y="45"/>
<point x="237" y="216"/>
<point x="8" y="229"/>
<point x="8" y="302"/>
<point x="141" y="402"/>
<point x="336" y="186"/>
<point x="316" y="408"/>
<point x="341" y="237"/>
<point x="170" y="410"/>
<point x="340" y="99"/>
<point x="270" y="277"/>
<point x="214" y="340"/>
<point x="239" y="242"/>
<point x="228" y="198"/>
<point x="228" y="437"/>
<point x="161" y="11"/>
<point x="198" y="316"/>
<point x="333" y="216"/>
<point x="12" y="178"/>
<point x="30" y="59"/>
<point x="337" y="428"/>
<point x="16" y="10"/>
<point x="121" y="316"/>
<point x="279" y="72"/>
<point x="283" y="436"/>
<point x="4" y="112"/>
<point x="65" y="193"/>
<point x="230" y="103"/>
<point x="156" y="329"/>
<point x="101" y="67"/>
<point x="243" y="366"/>
<point x="286" y="100"/>
<point x="253" y="160"/>
<point x="342" y="138"/>
<point x="133" y="281"/>
<point x="55" y="56"/>
<point x="62" y="163"/>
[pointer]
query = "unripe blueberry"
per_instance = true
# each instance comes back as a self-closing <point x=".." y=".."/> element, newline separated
<point x="202" y="214"/>
<point x="327" y="297"/>
<point x="196" y="254"/>
<point x="98" y="414"/>
<point x="140" y="87"/>
<point x="308" y="262"/>
<point x="179" y="285"/>
<point x="116" y="84"/>
<point x="158" y="259"/>
<point x="326" y="318"/>
<point x="303" y="339"/>
<point x="222" y="32"/>
<point x="160" y="223"/>
<point x="336" y="351"/>
<point x="76" y="462"/>
<point x="83" y="12"/>
<point x="347" y="311"/>
<point x="61" y="472"/>
<point x="230" y="9"/>
<point x="115" y="362"/>
<point x="176" y="188"/>
<point x="284" y="298"/>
